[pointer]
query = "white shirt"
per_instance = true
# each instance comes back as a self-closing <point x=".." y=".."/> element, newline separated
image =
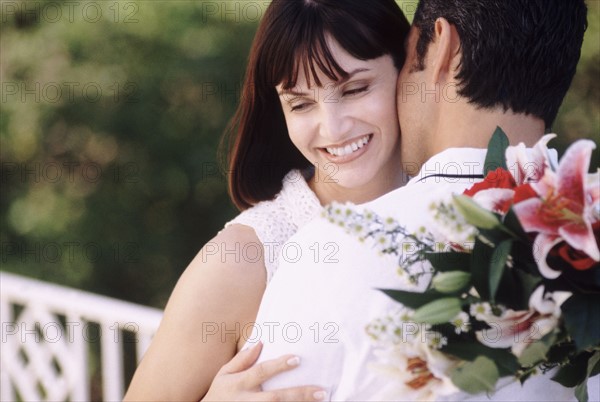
<point x="325" y="293"/>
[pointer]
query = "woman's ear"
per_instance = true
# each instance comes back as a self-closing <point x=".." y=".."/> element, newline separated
<point x="445" y="51"/>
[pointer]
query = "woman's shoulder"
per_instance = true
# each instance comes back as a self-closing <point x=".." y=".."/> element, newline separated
<point x="293" y="206"/>
<point x="275" y="221"/>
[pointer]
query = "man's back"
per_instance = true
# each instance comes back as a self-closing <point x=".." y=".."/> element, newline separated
<point x="325" y="293"/>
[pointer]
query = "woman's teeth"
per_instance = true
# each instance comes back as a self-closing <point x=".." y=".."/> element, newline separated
<point x="348" y="149"/>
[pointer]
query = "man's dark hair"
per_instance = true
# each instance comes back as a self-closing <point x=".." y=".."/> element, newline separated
<point x="521" y="54"/>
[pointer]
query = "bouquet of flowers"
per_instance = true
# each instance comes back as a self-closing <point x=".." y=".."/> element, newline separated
<point x="513" y="282"/>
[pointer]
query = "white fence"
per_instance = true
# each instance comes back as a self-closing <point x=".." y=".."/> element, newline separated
<point x="49" y="331"/>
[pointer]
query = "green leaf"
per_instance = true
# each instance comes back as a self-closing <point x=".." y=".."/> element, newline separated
<point x="574" y="372"/>
<point x="528" y="283"/>
<point x="438" y="311"/>
<point x="475" y="214"/>
<point x="481" y="256"/>
<point x="497" y="265"/>
<point x="594" y="364"/>
<point x="512" y="223"/>
<point x="525" y="376"/>
<point x="495" y="235"/>
<point x="412" y="300"/>
<point x="450" y="261"/>
<point x="516" y="287"/>
<point x="582" y="320"/>
<point x="560" y="352"/>
<point x="537" y="350"/>
<point x="505" y="361"/>
<point x="578" y="372"/>
<point x="592" y="369"/>
<point x="496" y="153"/>
<point x="477" y="376"/>
<point x="581" y="392"/>
<point x="451" y="281"/>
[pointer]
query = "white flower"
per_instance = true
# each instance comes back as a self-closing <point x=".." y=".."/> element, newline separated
<point x="451" y="226"/>
<point x="518" y="329"/>
<point x="383" y="241"/>
<point x="493" y="198"/>
<point x="388" y="330"/>
<point x="481" y="311"/>
<point x="435" y="340"/>
<point x="416" y="371"/>
<point x="390" y="224"/>
<point x="358" y="229"/>
<point x="461" y="322"/>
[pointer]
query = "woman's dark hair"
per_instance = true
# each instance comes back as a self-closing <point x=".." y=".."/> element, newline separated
<point x="292" y="36"/>
<point x="521" y="54"/>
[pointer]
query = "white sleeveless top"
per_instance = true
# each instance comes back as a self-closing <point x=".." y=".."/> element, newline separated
<point x="275" y="221"/>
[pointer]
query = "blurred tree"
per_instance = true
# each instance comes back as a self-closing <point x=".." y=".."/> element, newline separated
<point x="109" y="130"/>
<point x="111" y="113"/>
<point x="579" y="116"/>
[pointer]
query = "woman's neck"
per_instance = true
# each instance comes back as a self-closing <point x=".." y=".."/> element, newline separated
<point x="333" y="192"/>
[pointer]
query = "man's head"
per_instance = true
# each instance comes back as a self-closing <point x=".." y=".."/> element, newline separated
<point x="512" y="55"/>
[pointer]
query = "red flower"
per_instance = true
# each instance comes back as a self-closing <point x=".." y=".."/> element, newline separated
<point x="495" y="192"/>
<point x="499" y="178"/>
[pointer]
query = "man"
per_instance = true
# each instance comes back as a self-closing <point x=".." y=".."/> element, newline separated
<point x="472" y="65"/>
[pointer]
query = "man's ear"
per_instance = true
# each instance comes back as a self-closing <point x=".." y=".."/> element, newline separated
<point x="445" y="51"/>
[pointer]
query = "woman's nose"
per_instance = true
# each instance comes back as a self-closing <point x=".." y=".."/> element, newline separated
<point x="336" y="123"/>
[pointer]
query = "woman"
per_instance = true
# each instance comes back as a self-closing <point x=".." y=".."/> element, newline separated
<point x="316" y="123"/>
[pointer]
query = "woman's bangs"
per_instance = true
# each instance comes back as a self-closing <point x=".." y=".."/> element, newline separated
<point x="310" y="54"/>
<point x="302" y="46"/>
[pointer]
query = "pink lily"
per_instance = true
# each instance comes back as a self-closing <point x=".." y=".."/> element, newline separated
<point x="518" y="329"/>
<point x="527" y="165"/>
<point x="566" y="207"/>
<point x="593" y="193"/>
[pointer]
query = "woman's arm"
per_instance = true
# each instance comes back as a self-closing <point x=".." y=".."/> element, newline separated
<point x="217" y="295"/>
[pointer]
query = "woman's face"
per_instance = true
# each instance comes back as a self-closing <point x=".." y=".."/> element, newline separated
<point x="348" y="128"/>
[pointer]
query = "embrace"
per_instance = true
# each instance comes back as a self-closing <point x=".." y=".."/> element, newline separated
<point x="345" y="103"/>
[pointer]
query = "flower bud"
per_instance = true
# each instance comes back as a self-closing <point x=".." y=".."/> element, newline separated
<point x="438" y="311"/>
<point x="474" y="214"/>
<point x="450" y="282"/>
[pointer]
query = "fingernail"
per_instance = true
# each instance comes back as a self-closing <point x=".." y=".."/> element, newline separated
<point x="320" y="395"/>
<point x="294" y="361"/>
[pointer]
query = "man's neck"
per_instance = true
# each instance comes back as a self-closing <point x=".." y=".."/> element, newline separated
<point x="472" y="128"/>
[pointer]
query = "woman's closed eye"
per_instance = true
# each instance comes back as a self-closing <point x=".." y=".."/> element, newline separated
<point x="355" y="91"/>
<point x="298" y="107"/>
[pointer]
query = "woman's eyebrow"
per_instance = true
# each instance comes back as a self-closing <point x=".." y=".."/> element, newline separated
<point x="286" y="92"/>
<point x="348" y="77"/>
<point x="352" y="73"/>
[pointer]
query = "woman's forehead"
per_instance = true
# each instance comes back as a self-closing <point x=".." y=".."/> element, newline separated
<point x="350" y="66"/>
<point x="321" y="63"/>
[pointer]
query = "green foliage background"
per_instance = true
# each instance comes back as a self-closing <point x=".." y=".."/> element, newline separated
<point x="109" y="127"/>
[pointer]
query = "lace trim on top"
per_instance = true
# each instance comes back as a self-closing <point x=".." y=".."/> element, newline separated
<point x="275" y="221"/>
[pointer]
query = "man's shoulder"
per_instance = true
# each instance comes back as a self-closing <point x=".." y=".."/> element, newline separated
<point x="450" y="171"/>
<point x="415" y="199"/>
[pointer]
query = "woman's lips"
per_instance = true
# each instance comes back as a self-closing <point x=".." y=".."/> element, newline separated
<point x="349" y="151"/>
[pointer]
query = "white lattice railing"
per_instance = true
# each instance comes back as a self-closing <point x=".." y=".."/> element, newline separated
<point x="48" y="332"/>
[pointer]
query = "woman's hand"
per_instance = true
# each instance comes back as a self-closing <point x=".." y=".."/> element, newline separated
<point x="238" y="380"/>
